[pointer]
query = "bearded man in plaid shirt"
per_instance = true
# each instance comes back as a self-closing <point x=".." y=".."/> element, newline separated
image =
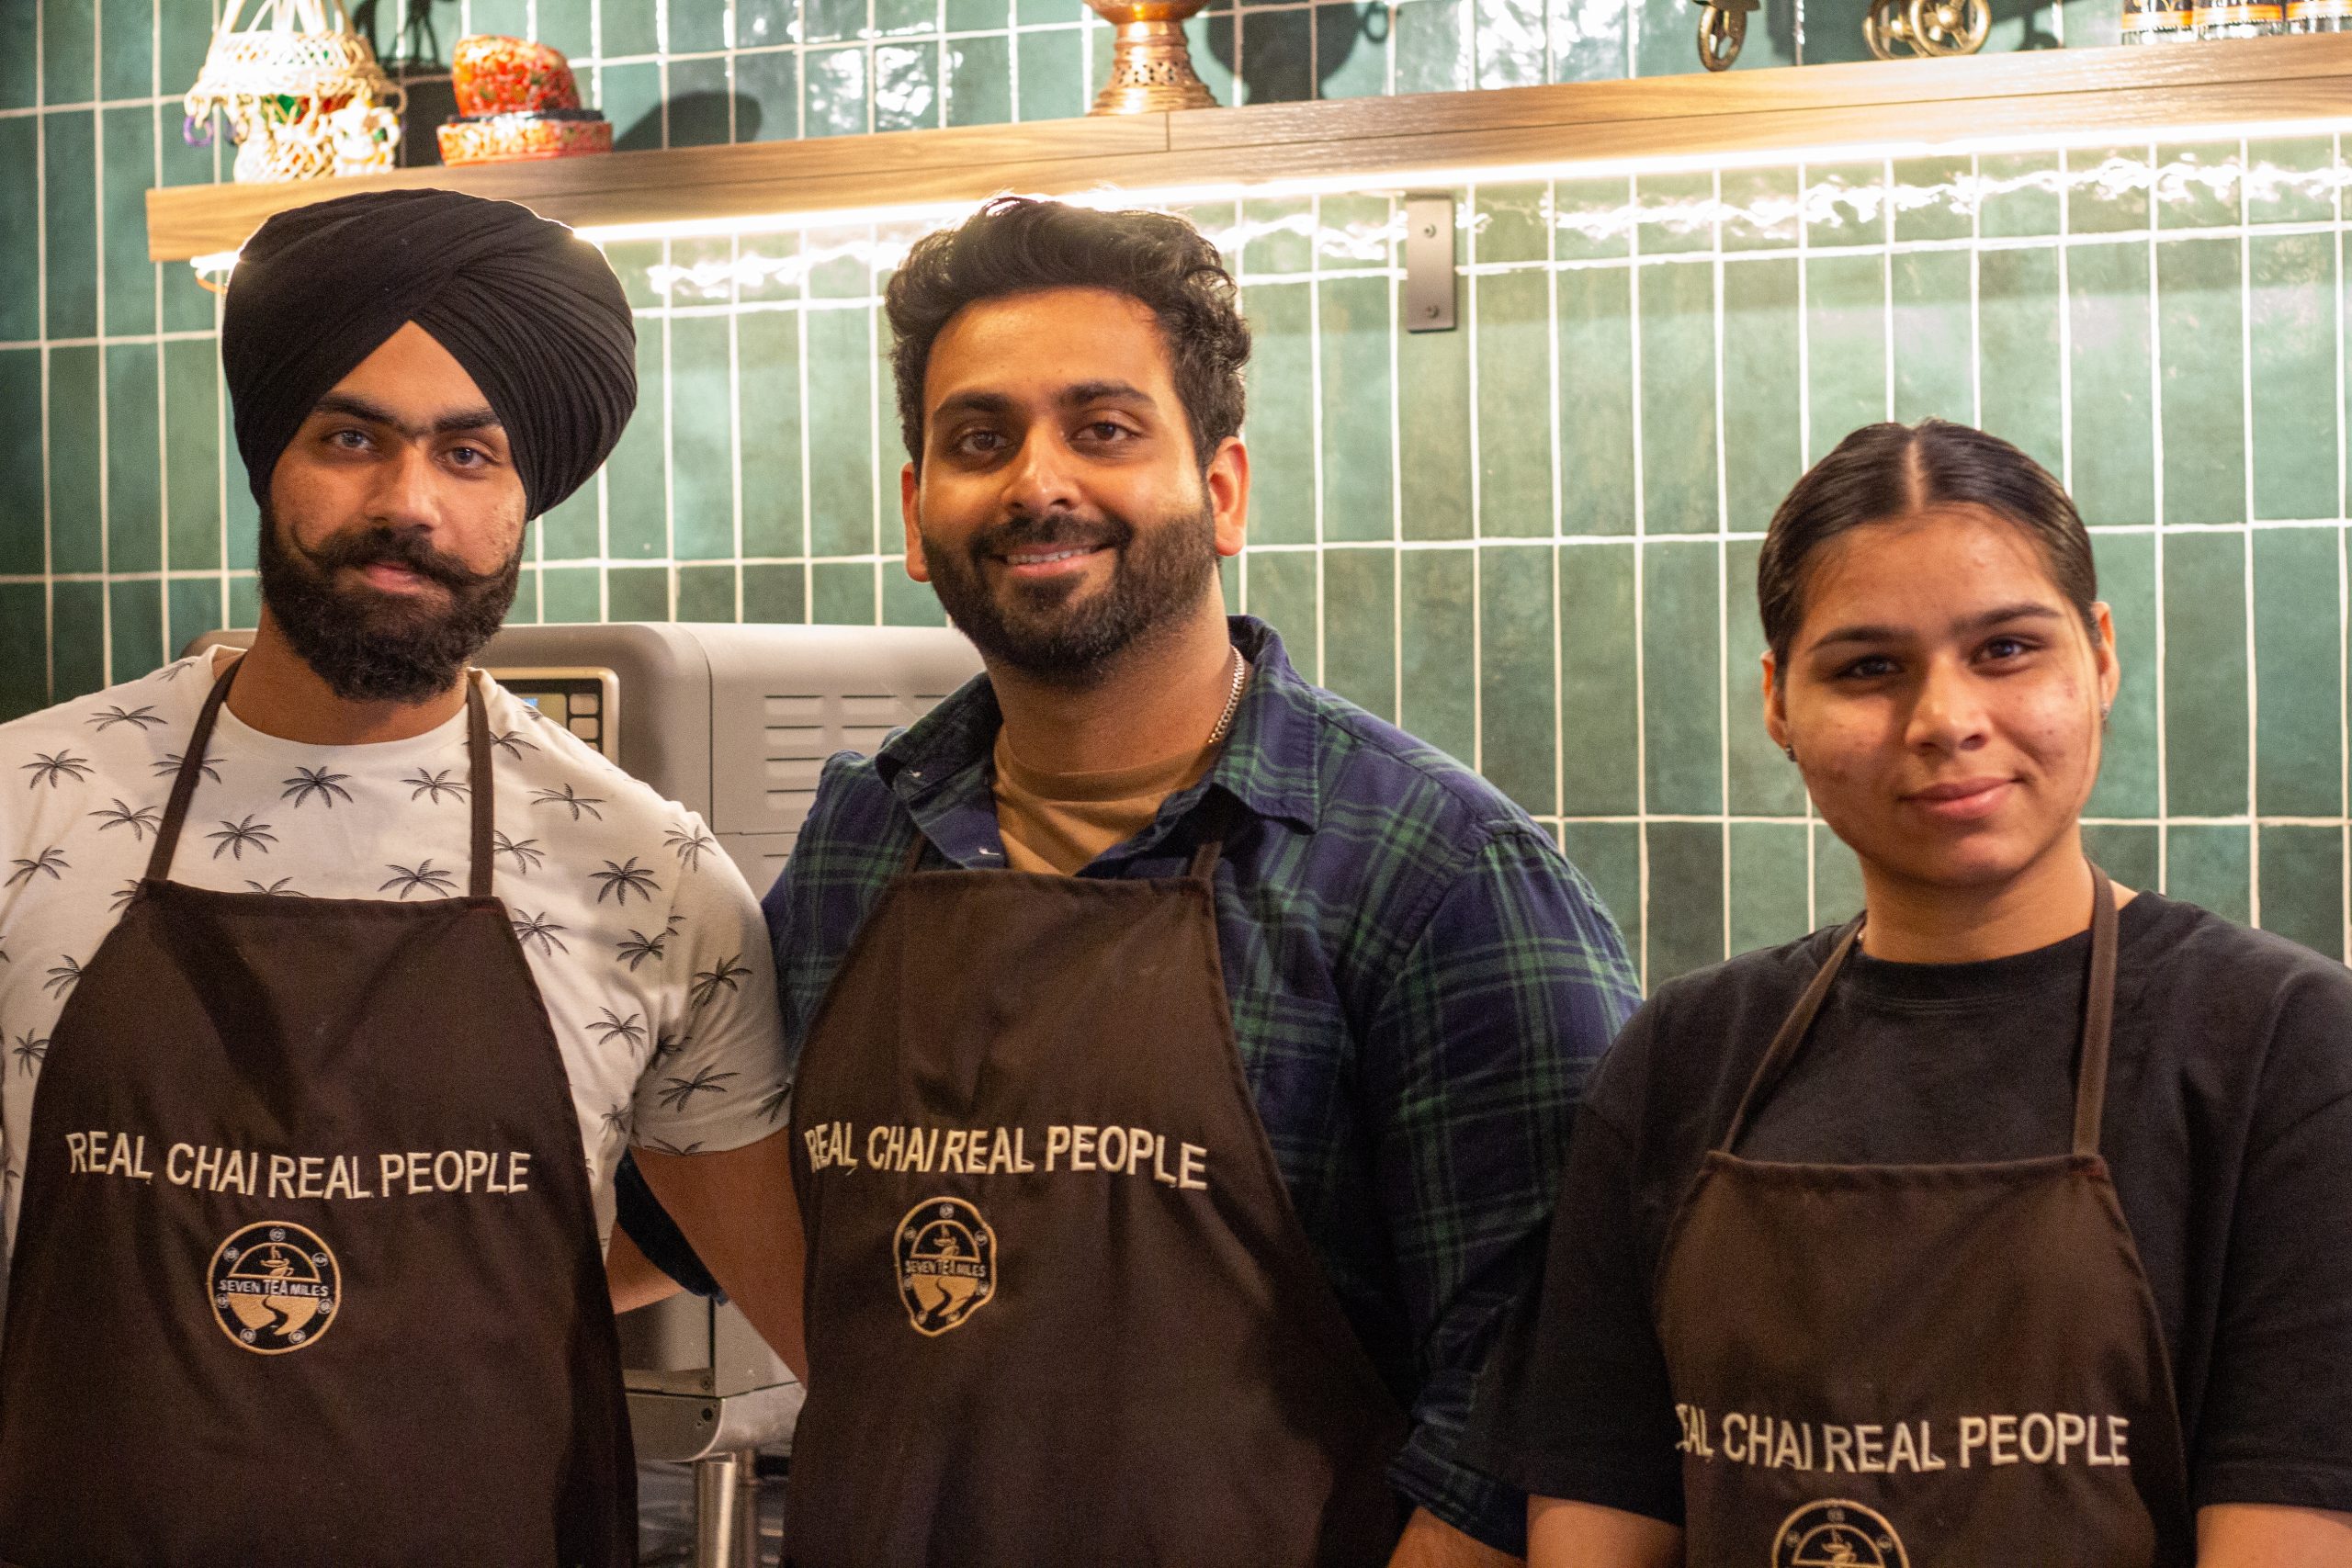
<point x="1253" y="1024"/>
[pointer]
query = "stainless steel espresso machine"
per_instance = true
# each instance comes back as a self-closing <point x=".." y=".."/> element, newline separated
<point x="734" y="722"/>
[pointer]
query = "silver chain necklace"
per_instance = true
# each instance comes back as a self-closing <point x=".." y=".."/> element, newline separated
<point x="1233" y="699"/>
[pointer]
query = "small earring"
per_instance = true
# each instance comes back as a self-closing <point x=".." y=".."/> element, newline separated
<point x="2103" y="708"/>
<point x="1790" y="752"/>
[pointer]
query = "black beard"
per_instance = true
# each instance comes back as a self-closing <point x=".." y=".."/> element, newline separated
<point x="370" y="646"/>
<point x="1158" y="575"/>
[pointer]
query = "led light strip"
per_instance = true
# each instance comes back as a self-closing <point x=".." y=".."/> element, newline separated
<point x="1377" y="182"/>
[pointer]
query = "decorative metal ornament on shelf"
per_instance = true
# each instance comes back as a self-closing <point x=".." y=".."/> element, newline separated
<point x="302" y="93"/>
<point x="1894" y="30"/>
<point x="1722" y="27"/>
<point x="1151" y="64"/>
<point x="1897" y="30"/>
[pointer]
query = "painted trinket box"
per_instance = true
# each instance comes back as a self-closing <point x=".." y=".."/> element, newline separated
<point x="516" y="100"/>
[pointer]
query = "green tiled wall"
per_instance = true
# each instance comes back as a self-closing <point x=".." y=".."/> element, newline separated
<point x="1531" y="539"/>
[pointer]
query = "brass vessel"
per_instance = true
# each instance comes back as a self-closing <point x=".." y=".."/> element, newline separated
<point x="1151" y="66"/>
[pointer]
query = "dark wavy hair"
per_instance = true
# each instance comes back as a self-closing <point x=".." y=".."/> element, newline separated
<point x="1884" y="472"/>
<point x="1016" y="246"/>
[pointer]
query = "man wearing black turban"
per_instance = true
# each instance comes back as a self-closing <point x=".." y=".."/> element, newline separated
<point x="528" y="310"/>
<point x="343" y="982"/>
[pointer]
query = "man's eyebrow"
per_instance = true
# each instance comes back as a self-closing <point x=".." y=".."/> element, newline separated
<point x="354" y="407"/>
<point x="2026" y="610"/>
<point x="1103" y="392"/>
<point x="972" y="403"/>
<point x="1077" y="395"/>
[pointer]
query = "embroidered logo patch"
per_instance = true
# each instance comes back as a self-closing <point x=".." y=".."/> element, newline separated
<point x="1835" y="1533"/>
<point x="274" y="1288"/>
<point x="947" y="1257"/>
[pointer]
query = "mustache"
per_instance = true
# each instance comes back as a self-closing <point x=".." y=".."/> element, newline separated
<point x="1051" y="531"/>
<point x="382" y="546"/>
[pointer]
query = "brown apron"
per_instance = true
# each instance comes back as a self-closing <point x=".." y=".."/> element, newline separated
<point x="307" y="1270"/>
<point x="1922" y="1366"/>
<point x="1059" y="1308"/>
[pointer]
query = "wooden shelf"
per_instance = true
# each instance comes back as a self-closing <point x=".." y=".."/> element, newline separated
<point x="2054" y="93"/>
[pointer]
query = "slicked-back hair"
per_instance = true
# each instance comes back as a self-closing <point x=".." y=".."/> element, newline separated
<point x="1015" y="245"/>
<point x="1882" y="472"/>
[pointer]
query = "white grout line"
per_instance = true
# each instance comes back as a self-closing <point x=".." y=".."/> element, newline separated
<point x="2157" y="594"/>
<point x="603" y="548"/>
<point x="2245" y="415"/>
<point x="1641" y="553"/>
<point x="735" y="421"/>
<point x="1243" y="279"/>
<point x="1315" y="426"/>
<point x="801" y="435"/>
<point x="227" y="461"/>
<point x="155" y="295"/>
<point x="1804" y="454"/>
<point x="1012" y="61"/>
<point x="875" y="376"/>
<point x="1723" y="574"/>
<point x="118" y="340"/>
<point x="105" y="421"/>
<point x="2342" y="590"/>
<point x="1546" y="205"/>
<point x="1395" y="294"/>
<point x="1976" y="307"/>
<point x="41" y="323"/>
<point x="669" y="428"/>
<point x="2065" y="331"/>
<point x="1886" y="250"/>
<point x="1465" y="225"/>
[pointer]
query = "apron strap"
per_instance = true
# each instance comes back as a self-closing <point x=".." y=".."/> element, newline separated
<point x="1794" y="1028"/>
<point x="913" y="861"/>
<point x="483" y="786"/>
<point x="167" y="837"/>
<point x="2098" y="1018"/>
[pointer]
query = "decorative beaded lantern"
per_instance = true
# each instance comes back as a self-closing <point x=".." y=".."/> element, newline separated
<point x="302" y="93"/>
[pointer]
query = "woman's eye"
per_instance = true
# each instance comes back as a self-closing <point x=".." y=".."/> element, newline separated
<point x="2002" y="648"/>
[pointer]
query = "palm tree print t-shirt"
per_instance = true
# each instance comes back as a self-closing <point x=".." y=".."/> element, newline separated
<point x="646" y="941"/>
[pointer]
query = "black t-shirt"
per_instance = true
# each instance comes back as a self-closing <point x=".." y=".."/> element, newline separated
<point x="2228" y="1132"/>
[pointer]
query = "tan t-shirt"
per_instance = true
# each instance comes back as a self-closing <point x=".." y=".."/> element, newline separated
<point x="1059" y="822"/>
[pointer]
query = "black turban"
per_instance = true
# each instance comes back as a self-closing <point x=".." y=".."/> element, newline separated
<point x="529" y="308"/>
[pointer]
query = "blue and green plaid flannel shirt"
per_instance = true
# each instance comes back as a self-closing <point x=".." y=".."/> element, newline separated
<point x="1419" y="980"/>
